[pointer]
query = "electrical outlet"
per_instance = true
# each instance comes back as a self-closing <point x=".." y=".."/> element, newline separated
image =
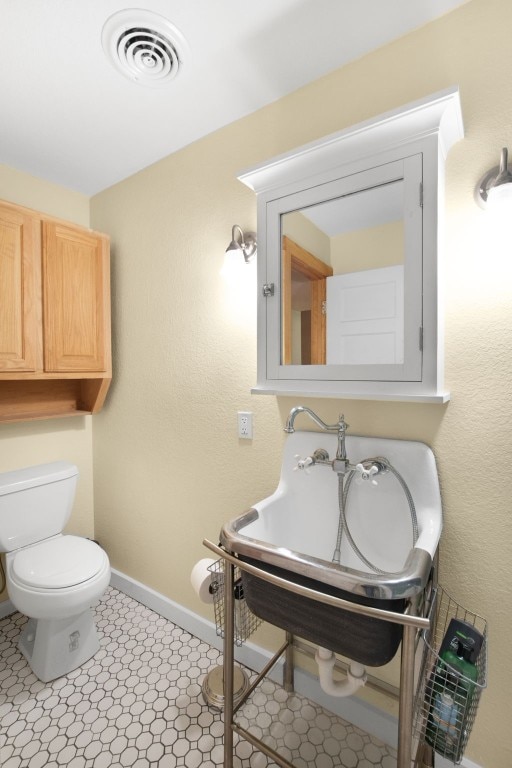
<point x="245" y="425"/>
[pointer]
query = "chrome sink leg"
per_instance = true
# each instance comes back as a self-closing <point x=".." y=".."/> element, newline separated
<point x="228" y="662"/>
<point x="288" y="682"/>
<point x="406" y="700"/>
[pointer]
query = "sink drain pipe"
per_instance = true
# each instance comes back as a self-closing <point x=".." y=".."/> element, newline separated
<point x="356" y="675"/>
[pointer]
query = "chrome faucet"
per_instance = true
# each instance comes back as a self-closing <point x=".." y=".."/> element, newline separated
<point x="340" y="463"/>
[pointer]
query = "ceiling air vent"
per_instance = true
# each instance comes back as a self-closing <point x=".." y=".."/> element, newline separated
<point x="143" y="46"/>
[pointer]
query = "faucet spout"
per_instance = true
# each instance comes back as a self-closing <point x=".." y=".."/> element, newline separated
<point x="340" y="463"/>
<point x="290" y="421"/>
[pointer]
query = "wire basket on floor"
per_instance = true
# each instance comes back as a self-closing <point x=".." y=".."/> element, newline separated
<point x="447" y="701"/>
<point x="245" y="622"/>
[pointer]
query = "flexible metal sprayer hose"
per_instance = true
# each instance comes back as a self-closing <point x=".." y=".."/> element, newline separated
<point x="344" y="484"/>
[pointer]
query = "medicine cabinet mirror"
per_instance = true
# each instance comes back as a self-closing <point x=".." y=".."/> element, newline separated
<point x="349" y="259"/>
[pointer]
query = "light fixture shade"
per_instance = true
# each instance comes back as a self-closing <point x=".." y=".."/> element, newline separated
<point x="496" y="185"/>
<point x="233" y="246"/>
<point x="243" y="242"/>
<point x="233" y="266"/>
<point x="499" y="194"/>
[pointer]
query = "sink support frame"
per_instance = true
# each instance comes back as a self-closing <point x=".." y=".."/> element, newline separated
<point x="412" y="624"/>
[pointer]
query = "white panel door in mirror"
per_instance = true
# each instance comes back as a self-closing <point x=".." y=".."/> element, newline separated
<point x="365" y="317"/>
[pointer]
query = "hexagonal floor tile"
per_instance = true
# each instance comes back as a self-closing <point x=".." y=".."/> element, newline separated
<point x="138" y="704"/>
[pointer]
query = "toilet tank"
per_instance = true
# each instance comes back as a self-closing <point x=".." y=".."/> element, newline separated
<point x="35" y="503"/>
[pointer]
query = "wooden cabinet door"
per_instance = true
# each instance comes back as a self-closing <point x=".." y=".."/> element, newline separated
<point x="76" y="319"/>
<point x="19" y="295"/>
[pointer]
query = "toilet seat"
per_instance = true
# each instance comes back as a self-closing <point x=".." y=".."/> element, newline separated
<point x="57" y="563"/>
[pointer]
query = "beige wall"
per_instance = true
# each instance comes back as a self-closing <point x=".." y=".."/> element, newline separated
<point x="372" y="248"/>
<point x="37" y="442"/>
<point x="169" y="468"/>
<point x="23" y="189"/>
<point x="302" y="231"/>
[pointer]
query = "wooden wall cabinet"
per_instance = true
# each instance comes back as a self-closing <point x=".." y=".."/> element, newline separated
<point x="55" y="353"/>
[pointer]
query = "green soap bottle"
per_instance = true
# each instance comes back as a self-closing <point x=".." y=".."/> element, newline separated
<point x="462" y="676"/>
<point x="451" y="687"/>
<point x="444" y="718"/>
<point x="450" y="692"/>
<point x="461" y="661"/>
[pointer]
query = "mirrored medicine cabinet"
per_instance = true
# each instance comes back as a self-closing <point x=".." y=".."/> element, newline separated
<point x="349" y="240"/>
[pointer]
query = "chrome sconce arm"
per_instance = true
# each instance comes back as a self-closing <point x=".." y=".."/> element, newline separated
<point x="243" y="241"/>
<point x="496" y="183"/>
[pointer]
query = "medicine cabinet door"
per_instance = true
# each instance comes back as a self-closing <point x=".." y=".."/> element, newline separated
<point x="366" y="230"/>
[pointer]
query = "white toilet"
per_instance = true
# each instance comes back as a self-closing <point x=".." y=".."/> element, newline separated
<point x="52" y="578"/>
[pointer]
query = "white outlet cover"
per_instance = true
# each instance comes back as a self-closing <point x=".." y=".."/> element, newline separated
<point x="244" y="425"/>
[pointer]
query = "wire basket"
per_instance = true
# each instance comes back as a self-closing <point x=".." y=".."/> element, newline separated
<point x="245" y="622"/>
<point x="446" y="701"/>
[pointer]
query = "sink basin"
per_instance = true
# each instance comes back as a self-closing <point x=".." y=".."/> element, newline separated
<point x="293" y="534"/>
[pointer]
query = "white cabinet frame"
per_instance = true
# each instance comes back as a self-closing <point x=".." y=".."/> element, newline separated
<point x="412" y="143"/>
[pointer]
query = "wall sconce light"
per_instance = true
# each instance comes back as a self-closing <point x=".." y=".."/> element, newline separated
<point x="496" y="184"/>
<point x="242" y="243"/>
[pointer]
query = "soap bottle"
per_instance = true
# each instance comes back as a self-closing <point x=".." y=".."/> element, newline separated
<point x="451" y="689"/>
<point x="462" y="662"/>
<point x="444" y="717"/>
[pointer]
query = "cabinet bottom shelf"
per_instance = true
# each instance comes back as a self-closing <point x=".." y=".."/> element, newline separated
<point x="28" y="400"/>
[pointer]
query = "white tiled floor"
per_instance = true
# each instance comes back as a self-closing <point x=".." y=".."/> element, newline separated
<point x="138" y="703"/>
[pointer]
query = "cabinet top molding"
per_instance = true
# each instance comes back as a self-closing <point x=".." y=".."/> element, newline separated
<point x="439" y="114"/>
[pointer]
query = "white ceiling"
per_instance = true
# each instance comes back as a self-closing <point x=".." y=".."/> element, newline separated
<point x="68" y="116"/>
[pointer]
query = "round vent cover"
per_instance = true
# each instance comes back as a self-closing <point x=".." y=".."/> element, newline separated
<point x="143" y="46"/>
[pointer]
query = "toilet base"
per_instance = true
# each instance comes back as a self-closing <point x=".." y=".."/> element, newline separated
<point x="54" y="647"/>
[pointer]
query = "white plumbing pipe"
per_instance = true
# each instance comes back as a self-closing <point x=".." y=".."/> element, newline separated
<point x="356" y="675"/>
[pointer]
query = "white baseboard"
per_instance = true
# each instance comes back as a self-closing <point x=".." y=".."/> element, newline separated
<point x="442" y="762"/>
<point x="361" y="714"/>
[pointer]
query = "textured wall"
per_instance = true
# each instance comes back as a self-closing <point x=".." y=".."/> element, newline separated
<point x="169" y="468"/>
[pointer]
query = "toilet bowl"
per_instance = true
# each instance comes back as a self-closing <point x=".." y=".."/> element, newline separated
<point x="52" y="578"/>
<point x="54" y="583"/>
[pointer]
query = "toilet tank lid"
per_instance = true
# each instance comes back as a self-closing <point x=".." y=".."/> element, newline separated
<point x="30" y="477"/>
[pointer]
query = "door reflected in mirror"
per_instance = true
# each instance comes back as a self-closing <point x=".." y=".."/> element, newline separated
<point x="342" y="278"/>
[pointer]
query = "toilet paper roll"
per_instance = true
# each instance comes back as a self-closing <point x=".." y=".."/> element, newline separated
<point x="201" y="578"/>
